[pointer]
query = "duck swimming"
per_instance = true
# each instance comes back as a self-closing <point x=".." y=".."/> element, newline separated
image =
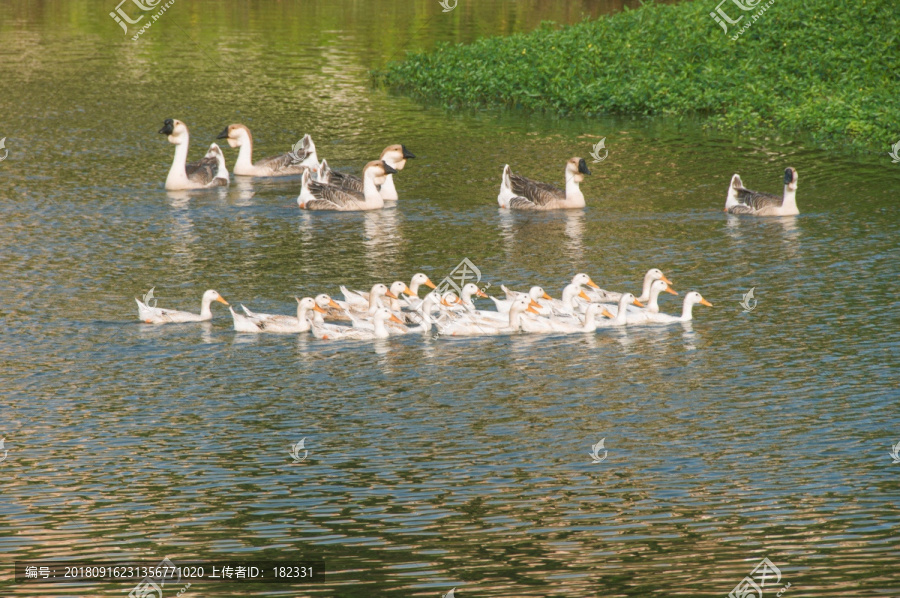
<point x="520" y="193"/>
<point x="753" y="203"/>
<point x="204" y="174"/>
<point x="296" y="162"/>
<point x="158" y="315"/>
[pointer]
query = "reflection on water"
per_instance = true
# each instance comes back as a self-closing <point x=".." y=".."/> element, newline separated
<point x="434" y="463"/>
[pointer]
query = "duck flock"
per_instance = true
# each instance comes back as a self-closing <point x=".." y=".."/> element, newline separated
<point x="325" y="189"/>
<point x="386" y="311"/>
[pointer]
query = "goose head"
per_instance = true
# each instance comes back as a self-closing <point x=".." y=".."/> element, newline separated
<point x="790" y="178"/>
<point x="576" y="168"/>
<point x="175" y="131"/>
<point x="237" y="135"/>
<point x="582" y="279"/>
<point x="418" y="280"/>
<point x="211" y="295"/>
<point x="377" y="170"/>
<point x="538" y="293"/>
<point x="396" y="155"/>
<point x="324" y="173"/>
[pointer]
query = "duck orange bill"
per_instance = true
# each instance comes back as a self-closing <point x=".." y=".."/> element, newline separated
<point x="548" y="297"/>
<point x="408" y="292"/>
<point x="671" y="291"/>
<point x="583" y="295"/>
<point x="333" y="304"/>
<point x="396" y="319"/>
<point x="390" y="294"/>
<point x="666" y="280"/>
<point x="705" y="302"/>
<point x="220" y="300"/>
<point x="430" y="284"/>
<point x="319" y="309"/>
<point x="605" y="313"/>
<point x="534" y="305"/>
<point x="481" y="293"/>
<point x="533" y="310"/>
<point x="592" y="284"/>
<point x="638" y="303"/>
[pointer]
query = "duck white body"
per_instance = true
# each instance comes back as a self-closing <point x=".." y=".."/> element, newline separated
<point x="642" y="316"/>
<point x="158" y="315"/>
<point x="254" y="322"/>
<point x="472" y="327"/>
<point x="690" y="300"/>
<point x="204" y="174"/>
<point x="380" y="317"/>
<point x="602" y="296"/>
<point x="744" y="201"/>
<point x="520" y="193"/>
<point x="302" y="159"/>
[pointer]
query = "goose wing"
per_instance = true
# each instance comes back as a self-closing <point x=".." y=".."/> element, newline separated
<point x="330" y="197"/>
<point x="538" y="193"/>
<point x="283" y="164"/>
<point x="754" y="201"/>
<point x="346" y="181"/>
<point x="203" y="171"/>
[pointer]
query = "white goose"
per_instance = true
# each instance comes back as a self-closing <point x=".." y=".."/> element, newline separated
<point x="293" y="163"/>
<point x="743" y="201"/>
<point x="254" y="322"/>
<point x="319" y="196"/>
<point x="690" y="300"/>
<point x="380" y="317"/>
<point x="158" y="315"/>
<point x="520" y="193"/>
<point x="652" y="274"/>
<point x="394" y="155"/>
<point x="204" y="174"/>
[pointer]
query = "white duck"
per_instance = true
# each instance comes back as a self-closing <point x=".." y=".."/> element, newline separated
<point x="602" y="296"/>
<point x="301" y="159"/>
<point x="330" y="309"/>
<point x="744" y="201"/>
<point x="367" y="307"/>
<point x="254" y="322"/>
<point x="319" y="196"/>
<point x="536" y="293"/>
<point x="380" y="317"/>
<point x="471" y="327"/>
<point x="520" y="193"/>
<point x="588" y="324"/>
<point x="621" y="317"/>
<point x="198" y="175"/>
<point x="642" y="316"/>
<point x="690" y="300"/>
<point x="158" y="315"/>
<point x="394" y="155"/>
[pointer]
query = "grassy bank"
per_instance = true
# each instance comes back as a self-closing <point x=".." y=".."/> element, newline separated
<point x="824" y="67"/>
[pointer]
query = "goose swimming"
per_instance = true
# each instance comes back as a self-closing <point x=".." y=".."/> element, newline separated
<point x="743" y="201"/>
<point x="394" y="156"/>
<point x="298" y="161"/>
<point x="158" y="315"/>
<point x="319" y="196"/>
<point x="204" y="174"/>
<point x="520" y="193"/>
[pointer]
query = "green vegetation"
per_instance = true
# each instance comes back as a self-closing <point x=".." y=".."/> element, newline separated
<point x="828" y="68"/>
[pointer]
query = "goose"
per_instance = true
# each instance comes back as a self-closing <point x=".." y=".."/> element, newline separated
<point x="254" y="322"/>
<point x="318" y="196"/>
<point x="520" y="193"/>
<point x="393" y="155"/>
<point x="690" y="300"/>
<point x="197" y="175"/>
<point x="515" y="322"/>
<point x="380" y="317"/>
<point x="652" y="274"/>
<point x="158" y="315"/>
<point x="298" y="161"/>
<point x="743" y="201"/>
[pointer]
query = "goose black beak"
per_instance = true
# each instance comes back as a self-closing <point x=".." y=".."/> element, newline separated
<point x="168" y="127"/>
<point x="223" y="134"/>
<point x="582" y="167"/>
<point x="388" y="169"/>
<point x="788" y="176"/>
<point x="406" y="153"/>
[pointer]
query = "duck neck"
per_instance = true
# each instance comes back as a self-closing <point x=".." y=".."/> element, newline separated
<point x="515" y="319"/>
<point x="645" y="292"/>
<point x="590" y="322"/>
<point x="414" y="287"/>
<point x="205" y="312"/>
<point x="380" y="329"/>
<point x="621" y="315"/>
<point x="374" y="302"/>
<point x="302" y="319"/>
<point x="245" y="157"/>
<point x="687" y="310"/>
<point x="653" y="305"/>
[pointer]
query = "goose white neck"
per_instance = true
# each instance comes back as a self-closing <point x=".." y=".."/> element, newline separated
<point x="177" y="176"/>
<point x="245" y="156"/>
<point x="789" y="204"/>
<point x="573" y="190"/>
<point x="388" y="191"/>
<point x="370" y="192"/>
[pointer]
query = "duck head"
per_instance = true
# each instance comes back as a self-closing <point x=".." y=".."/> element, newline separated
<point x="582" y="279"/>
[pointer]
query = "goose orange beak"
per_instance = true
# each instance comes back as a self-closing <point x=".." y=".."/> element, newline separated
<point x="583" y="295"/>
<point x="606" y="314"/>
<point x="390" y="294"/>
<point x="220" y="300"/>
<point x="332" y="303"/>
<point x="548" y="297"/>
<point x="430" y="284"/>
<point x="593" y="285"/>
<point x="638" y="303"/>
<point x="666" y="280"/>
<point x="705" y="302"/>
<point x="671" y="291"/>
<point x="396" y="319"/>
<point x="319" y="309"/>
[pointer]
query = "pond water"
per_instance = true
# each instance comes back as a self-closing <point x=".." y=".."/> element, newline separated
<point x="432" y="463"/>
